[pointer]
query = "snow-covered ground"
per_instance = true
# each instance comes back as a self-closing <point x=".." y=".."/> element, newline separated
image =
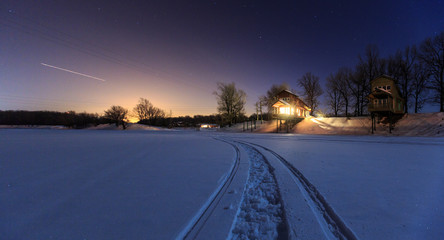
<point x="88" y="184"/>
<point x="382" y="187"/>
<point x="416" y="124"/>
<point x="70" y="184"/>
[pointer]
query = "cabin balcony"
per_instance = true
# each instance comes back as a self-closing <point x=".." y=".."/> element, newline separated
<point x="284" y="116"/>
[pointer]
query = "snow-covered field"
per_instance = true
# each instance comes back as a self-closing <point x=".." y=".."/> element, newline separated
<point x="89" y="184"/>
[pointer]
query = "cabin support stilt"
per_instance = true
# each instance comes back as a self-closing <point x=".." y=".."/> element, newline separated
<point x="390" y="122"/>
<point x="286" y="124"/>
<point x="277" y="125"/>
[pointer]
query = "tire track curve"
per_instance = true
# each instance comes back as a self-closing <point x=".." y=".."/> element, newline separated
<point x="191" y="231"/>
<point x="261" y="213"/>
<point x="331" y="223"/>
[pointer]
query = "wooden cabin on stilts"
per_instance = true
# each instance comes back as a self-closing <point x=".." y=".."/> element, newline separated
<point x="385" y="102"/>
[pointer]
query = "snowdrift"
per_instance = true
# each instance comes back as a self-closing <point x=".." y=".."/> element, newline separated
<point x="131" y="126"/>
<point x="419" y="124"/>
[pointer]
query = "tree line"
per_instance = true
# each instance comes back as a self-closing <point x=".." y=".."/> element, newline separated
<point x="144" y="111"/>
<point x="69" y="119"/>
<point x="417" y="70"/>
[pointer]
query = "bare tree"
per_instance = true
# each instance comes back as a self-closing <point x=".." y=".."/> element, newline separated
<point x="142" y="109"/>
<point x="312" y="90"/>
<point x="345" y="77"/>
<point x="117" y="115"/>
<point x="147" y="113"/>
<point x="230" y="101"/>
<point x="432" y="55"/>
<point x="419" y="80"/>
<point x="370" y="66"/>
<point x="400" y="68"/>
<point x="356" y="87"/>
<point x="260" y="104"/>
<point x="334" y="99"/>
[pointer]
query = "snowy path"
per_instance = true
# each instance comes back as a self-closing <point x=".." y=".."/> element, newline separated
<point x="261" y="214"/>
<point x="381" y="187"/>
<point x="331" y="224"/>
<point x="193" y="228"/>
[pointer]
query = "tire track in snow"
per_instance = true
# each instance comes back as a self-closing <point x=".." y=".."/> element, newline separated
<point x="195" y="225"/>
<point x="331" y="224"/>
<point x="261" y="213"/>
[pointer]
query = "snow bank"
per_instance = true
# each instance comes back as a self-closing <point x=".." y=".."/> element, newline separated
<point x="260" y="213"/>
<point x="419" y="124"/>
<point x="131" y="126"/>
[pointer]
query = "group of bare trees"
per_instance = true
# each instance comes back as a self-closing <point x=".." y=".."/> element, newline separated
<point x="144" y="111"/>
<point x="418" y="72"/>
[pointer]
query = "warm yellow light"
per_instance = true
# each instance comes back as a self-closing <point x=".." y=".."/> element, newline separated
<point x="133" y="119"/>
<point x="285" y="110"/>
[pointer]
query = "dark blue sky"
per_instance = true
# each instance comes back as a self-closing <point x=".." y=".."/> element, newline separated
<point x="174" y="52"/>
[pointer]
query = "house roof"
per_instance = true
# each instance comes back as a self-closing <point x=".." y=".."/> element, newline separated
<point x="281" y="103"/>
<point x="288" y="91"/>
<point x="383" y="76"/>
<point x="277" y="104"/>
<point x="395" y="85"/>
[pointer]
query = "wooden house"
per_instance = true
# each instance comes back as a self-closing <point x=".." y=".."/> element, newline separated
<point x="385" y="96"/>
<point x="289" y="105"/>
<point x="289" y="109"/>
<point x="385" y="100"/>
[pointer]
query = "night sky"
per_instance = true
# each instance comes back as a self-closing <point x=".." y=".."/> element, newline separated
<point x="174" y="52"/>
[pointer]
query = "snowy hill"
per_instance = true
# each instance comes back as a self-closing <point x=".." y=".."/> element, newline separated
<point x="420" y="124"/>
<point x="131" y="126"/>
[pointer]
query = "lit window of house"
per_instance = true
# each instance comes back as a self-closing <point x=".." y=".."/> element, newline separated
<point x="284" y="110"/>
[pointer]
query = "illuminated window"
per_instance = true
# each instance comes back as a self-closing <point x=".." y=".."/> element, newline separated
<point x="284" y="110"/>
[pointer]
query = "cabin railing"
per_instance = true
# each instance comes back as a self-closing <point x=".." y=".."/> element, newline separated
<point x="285" y="116"/>
<point x="380" y="107"/>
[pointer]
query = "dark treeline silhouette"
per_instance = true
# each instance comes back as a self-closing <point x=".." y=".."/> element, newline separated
<point x="188" y="121"/>
<point x="417" y="70"/>
<point x="69" y="119"/>
<point x="72" y="119"/>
